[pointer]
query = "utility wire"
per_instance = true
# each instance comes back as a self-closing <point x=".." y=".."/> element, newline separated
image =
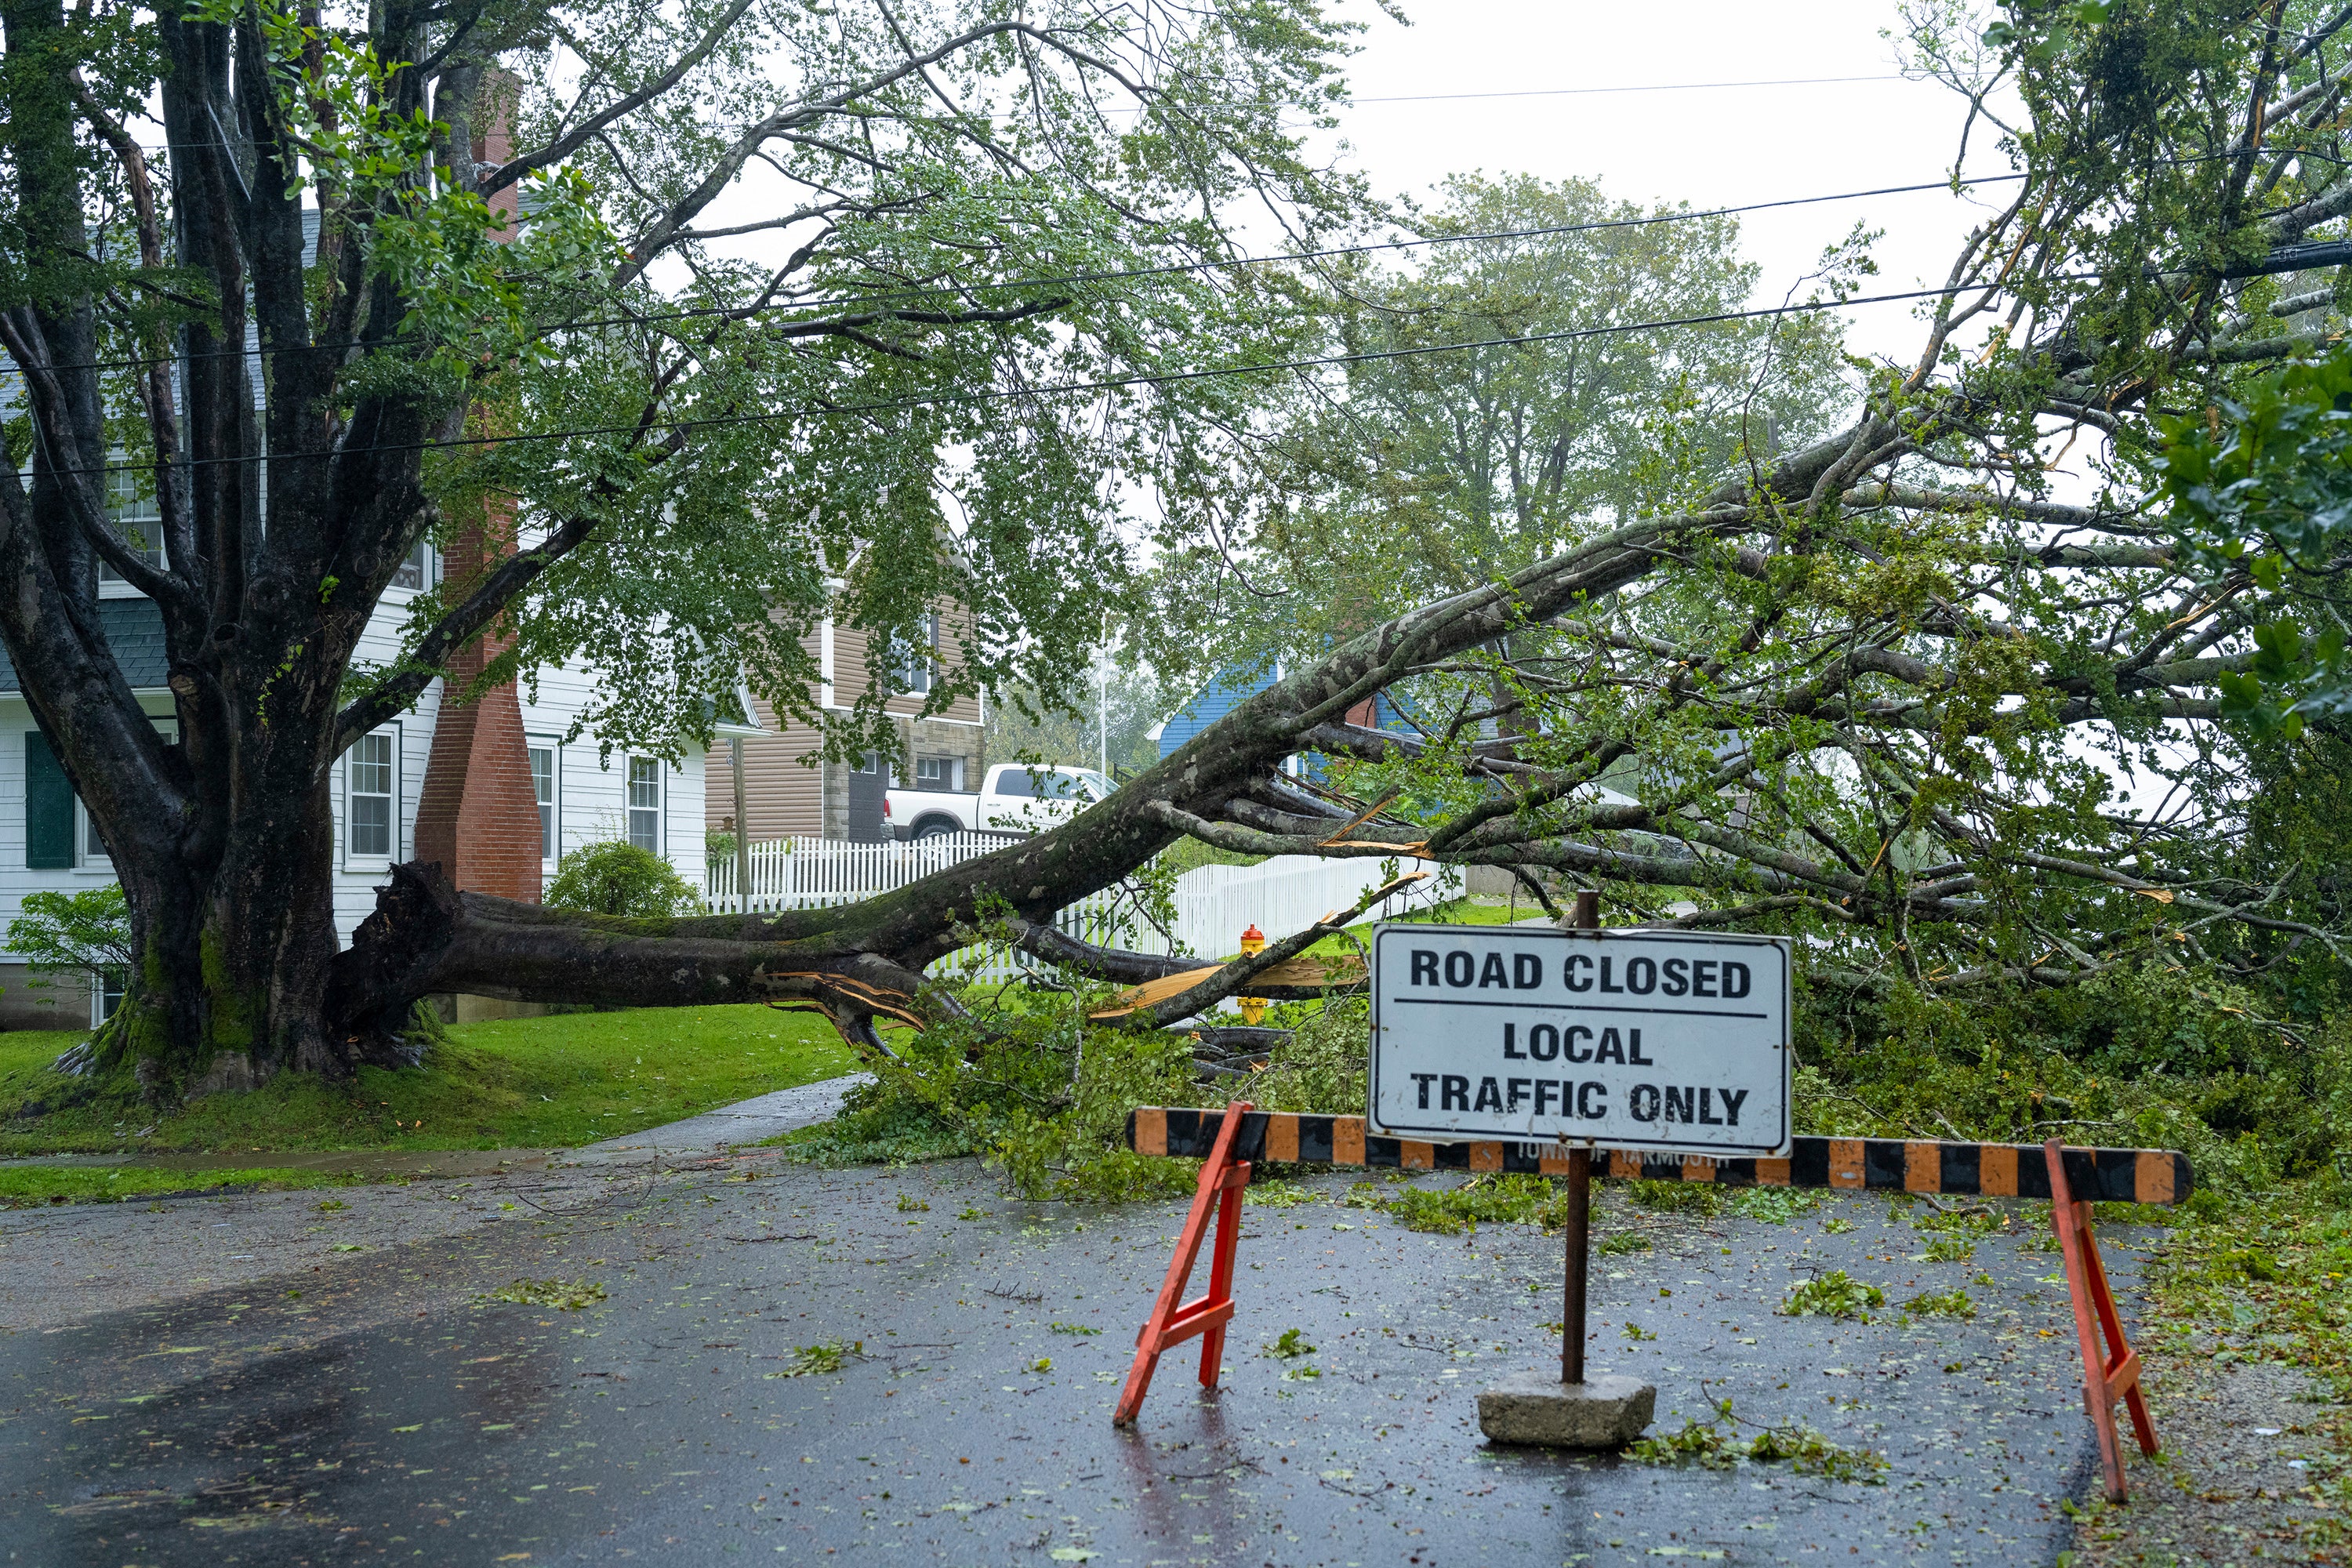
<point x="1108" y="383"/>
<point x="1595" y="91"/>
<point x="1350" y="101"/>
<point x="934" y="291"/>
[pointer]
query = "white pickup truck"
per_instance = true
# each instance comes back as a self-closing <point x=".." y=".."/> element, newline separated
<point x="1013" y="798"/>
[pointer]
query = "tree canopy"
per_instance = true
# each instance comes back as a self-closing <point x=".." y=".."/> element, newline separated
<point x="674" y="327"/>
<point x="1498" y="397"/>
<point x="1986" y="691"/>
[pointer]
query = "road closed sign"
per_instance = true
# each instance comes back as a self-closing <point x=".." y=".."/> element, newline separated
<point x="1630" y="1040"/>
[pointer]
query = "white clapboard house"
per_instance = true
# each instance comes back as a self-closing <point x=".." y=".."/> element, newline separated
<point x="495" y="793"/>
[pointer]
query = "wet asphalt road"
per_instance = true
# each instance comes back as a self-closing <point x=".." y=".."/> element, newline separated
<point x="386" y="1413"/>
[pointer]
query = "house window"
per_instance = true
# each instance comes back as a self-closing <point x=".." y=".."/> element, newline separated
<point x="938" y="773"/>
<point x="417" y="571"/>
<point x="644" y="804"/>
<point x="914" y="673"/>
<point x="93" y="845"/>
<point x="106" y="995"/>
<point x="542" y="787"/>
<point x="132" y="513"/>
<point x="367" y="796"/>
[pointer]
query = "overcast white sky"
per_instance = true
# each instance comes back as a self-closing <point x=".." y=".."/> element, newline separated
<point x="1711" y="147"/>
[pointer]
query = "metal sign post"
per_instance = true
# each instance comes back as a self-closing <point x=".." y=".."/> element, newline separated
<point x="1585" y="917"/>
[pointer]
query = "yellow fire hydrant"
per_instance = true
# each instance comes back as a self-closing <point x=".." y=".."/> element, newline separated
<point x="1253" y="1007"/>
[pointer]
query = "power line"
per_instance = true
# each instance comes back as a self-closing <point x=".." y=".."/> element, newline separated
<point x="1351" y="101"/>
<point x="935" y="291"/>
<point x="1595" y="91"/>
<point x="1108" y="383"/>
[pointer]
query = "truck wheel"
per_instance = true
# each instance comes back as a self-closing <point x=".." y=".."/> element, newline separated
<point x="935" y="827"/>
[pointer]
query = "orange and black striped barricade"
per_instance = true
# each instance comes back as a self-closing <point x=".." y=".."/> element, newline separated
<point x="2072" y="1179"/>
<point x="2111" y="1374"/>
<point x="1222" y="1180"/>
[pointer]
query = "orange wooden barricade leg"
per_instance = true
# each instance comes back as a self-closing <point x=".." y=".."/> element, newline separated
<point x="1220" y="1191"/>
<point x="1221" y="1266"/>
<point x="2108" y="1373"/>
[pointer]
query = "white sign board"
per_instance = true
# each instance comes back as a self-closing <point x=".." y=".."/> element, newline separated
<point x="1630" y="1040"/>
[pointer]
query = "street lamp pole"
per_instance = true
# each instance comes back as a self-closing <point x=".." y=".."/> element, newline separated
<point x="1102" y="712"/>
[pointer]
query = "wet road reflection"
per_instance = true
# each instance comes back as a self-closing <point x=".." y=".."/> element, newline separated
<point x="384" y="1410"/>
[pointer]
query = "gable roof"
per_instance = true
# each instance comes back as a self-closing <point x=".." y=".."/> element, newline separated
<point x="135" y="631"/>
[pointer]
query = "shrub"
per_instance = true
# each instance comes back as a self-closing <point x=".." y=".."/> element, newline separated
<point x="86" y="932"/>
<point x="619" y="879"/>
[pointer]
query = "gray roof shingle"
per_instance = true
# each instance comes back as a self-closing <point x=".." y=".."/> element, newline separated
<point x="134" y="630"/>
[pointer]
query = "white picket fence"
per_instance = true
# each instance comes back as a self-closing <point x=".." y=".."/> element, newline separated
<point x="818" y="873"/>
<point x="1213" y="904"/>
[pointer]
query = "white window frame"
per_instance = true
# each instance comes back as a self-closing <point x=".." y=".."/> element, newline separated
<point x="956" y="766"/>
<point x="98" y="990"/>
<point x="659" y="809"/>
<point x="87" y="860"/>
<point x="918" y="672"/>
<point x="121" y="484"/>
<point x="552" y="830"/>
<point x="429" y="572"/>
<point x="353" y="859"/>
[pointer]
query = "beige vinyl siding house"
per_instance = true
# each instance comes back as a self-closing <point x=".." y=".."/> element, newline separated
<point x="787" y="797"/>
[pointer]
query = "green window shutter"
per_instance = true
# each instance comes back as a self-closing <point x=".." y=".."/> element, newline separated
<point x="48" y="808"/>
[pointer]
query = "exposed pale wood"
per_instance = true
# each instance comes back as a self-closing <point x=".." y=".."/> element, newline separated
<point x="1329" y="974"/>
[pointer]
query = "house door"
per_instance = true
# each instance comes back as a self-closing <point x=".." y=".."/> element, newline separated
<point x="866" y="782"/>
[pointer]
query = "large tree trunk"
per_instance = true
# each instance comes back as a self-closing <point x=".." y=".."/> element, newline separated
<point x="229" y="883"/>
<point x="232" y="963"/>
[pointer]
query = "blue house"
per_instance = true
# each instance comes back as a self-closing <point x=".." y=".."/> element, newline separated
<point x="1226" y="691"/>
<point x="1232" y="686"/>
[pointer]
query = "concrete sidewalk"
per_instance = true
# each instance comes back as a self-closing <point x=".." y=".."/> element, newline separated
<point x="697" y="1137"/>
<point x="62" y="1264"/>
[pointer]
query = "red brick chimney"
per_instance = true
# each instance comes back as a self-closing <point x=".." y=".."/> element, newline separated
<point x="477" y="814"/>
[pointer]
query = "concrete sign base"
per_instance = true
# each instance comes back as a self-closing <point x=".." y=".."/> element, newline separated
<point x="1535" y="1407"/>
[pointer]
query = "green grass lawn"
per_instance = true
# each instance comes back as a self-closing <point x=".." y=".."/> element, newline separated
<point x="1458" y="912"/>
<point x="1481" y="911"/>
<point x="554" y="1083"/>
<point x="35" y="1187"/>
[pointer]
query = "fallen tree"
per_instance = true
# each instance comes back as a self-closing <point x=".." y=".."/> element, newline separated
<point x="1849" y="693"/>
<point x="1880" y="693"/>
